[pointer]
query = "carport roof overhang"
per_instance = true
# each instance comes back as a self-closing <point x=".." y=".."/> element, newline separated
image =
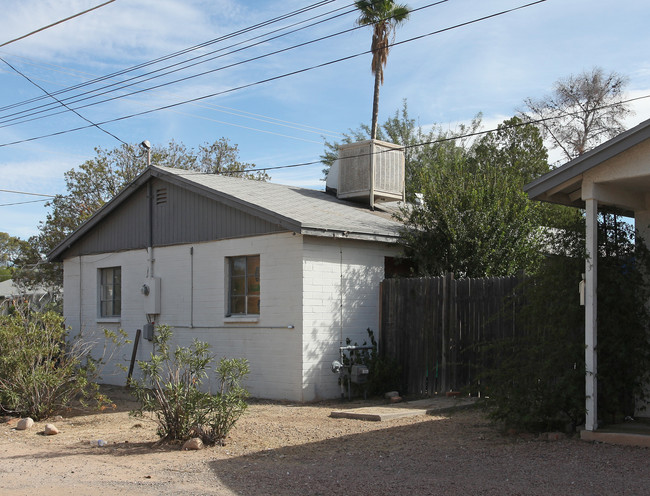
<point x="622" y="190"/>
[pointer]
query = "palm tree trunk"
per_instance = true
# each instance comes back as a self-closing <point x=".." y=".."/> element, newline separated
<point x="375" y="106"/>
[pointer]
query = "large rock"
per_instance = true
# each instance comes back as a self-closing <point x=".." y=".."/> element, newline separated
<point x="25" y="423"/>
<point x="50" y="430"/>
<point x="193" y="444"/>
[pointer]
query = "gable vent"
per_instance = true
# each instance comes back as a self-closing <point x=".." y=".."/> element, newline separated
<point x="161" y="196"/>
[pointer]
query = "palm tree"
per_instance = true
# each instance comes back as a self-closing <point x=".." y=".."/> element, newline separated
<point x="385" y="16"/>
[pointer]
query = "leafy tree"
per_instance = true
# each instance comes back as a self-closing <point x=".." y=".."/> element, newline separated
<point x="19" y="260"/>
<point x="98" y="180"/>
<point x="474" y="219"/>
<point x="582" y="112"/>
<point x="384" y="16"/>
<point x="11" y="248"/>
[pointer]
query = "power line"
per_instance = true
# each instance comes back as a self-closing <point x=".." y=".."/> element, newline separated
<point x="274" y="78"/>
<point x="449" y="138"/>
<point x="56" y="23"/>
<point x="73" y="110"/>
<point x="21" y="203"/>
<point x="24" y="193"/>
<point x="193" y="48"/>
<point x="21" y="116"/>
<point x="415" y="145"/>
<point x="258" y="117"/>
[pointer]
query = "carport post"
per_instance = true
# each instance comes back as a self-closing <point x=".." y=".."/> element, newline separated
<point x="591" y="283"/>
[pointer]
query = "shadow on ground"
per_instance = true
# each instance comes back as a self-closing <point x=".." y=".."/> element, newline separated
<point x="463" y="456"/>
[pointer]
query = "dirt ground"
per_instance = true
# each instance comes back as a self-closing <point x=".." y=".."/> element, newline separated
<point x="290" y="449"/>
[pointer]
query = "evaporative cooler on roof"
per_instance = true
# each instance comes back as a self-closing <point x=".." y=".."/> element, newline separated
<point x="371" y="171"/>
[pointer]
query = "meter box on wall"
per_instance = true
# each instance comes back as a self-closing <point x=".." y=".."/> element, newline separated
<point x="151" y="292"/>
<point x="359" y="374"/>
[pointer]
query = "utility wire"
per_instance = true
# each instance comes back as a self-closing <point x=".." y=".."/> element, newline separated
<point x="415" y="145"/>
<point x="72" y="110"/>
<point x="274" y="78"/>
<point x="193" y="48"/>
<point x="257" y="117"/>
<point x="21" y="203"/>
<point x="24" y="193"/>
<point x="55" y="23"/>
<point x="21" y="116"/>
<point x="442" y="140"/>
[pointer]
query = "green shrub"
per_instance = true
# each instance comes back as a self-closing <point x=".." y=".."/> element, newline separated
<point x="537" y="382"/>
<point x="171" y="391"/>
<point x="42" y="373"/>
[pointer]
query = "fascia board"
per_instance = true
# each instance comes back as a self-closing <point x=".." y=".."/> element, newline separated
<point x="589" y="160"/>
<point x="338" y="234"/>
<point x="108" y="207"/>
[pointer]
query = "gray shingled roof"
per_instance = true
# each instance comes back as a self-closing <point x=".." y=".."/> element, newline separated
<point x="302" y="210"/>
<point x="305" y="210"/>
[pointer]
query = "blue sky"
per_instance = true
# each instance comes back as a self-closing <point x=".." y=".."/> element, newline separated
<point x="489" y="66"/>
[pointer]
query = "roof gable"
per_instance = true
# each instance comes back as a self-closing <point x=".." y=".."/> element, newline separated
<point x="202" y="207"/>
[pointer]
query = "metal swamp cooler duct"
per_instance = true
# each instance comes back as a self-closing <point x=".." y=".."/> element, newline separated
<point x="369" y="171"/>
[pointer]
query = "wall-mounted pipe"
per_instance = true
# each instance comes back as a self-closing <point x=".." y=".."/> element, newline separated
<point x="236" y="326"/>
<point x="191" y="287"/>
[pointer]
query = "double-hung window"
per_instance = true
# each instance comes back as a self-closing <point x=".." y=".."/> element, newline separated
<point x="244" y="290"/>
<point x="110" y="292"/>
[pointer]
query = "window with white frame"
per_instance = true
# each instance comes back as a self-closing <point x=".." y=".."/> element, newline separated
<point x="244" y="285"/>
<point x="110" y="292"/>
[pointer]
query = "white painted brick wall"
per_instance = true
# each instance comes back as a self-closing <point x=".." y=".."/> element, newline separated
<point x="337" y="272"/>
<point x="273" y="350"/>
<point x="300" y="287"/>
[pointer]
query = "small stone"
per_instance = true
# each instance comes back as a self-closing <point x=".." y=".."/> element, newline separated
<point x="391" y="394"/>
<point x="25" y="423"/>
<point x="57" y="418"/>
<point x="50" y="430"/>
<point x="555" y="436"/>
<point x="395" y="399"/>
<point x="193" y="444"/>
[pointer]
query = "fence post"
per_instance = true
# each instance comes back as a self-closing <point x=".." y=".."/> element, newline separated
<point x="447" y="283"/>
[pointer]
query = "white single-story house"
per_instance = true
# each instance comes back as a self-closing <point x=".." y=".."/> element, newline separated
<point x="275" y="274"/>
<point x="614" y="174"/>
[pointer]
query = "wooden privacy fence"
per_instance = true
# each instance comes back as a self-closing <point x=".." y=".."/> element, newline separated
<point x="434" y="328"/>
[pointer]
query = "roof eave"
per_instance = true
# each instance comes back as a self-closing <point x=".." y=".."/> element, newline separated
<point x="359" y="236"/>
<point x="572" y="170"/>
<point x="55" y="254"/>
